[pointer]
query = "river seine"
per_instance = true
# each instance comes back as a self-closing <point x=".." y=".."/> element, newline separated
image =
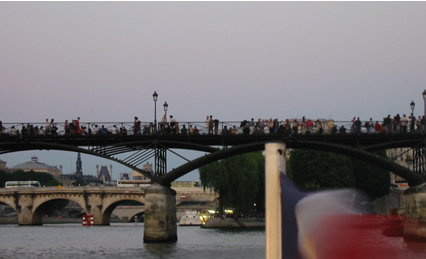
<point x="125" y="240"/>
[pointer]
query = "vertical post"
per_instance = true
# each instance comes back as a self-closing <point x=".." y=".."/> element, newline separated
<point x="424" y="99"/>
<point x="160" y="165"/>
<point x="155" y="97"/>
<point x="274" y="163"/>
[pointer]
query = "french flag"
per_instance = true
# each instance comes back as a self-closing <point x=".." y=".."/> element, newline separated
<point x="322" y="225"/>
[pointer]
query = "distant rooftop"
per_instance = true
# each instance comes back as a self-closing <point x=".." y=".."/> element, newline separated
<point x="34" y="165"/>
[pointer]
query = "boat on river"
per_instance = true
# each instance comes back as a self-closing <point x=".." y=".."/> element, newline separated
<point x="191" y="218"/>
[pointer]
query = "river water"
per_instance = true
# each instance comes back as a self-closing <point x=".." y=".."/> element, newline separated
<point x="125" y="240"/>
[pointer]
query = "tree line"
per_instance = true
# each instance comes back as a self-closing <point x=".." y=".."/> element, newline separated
<point x="45" y="179"/>
<point x="240" y="180"/>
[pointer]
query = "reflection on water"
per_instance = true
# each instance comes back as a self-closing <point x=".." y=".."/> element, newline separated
<point x="125" y="240"/>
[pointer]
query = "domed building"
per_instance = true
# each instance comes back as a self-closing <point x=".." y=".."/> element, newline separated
<point x="38" y="167"/>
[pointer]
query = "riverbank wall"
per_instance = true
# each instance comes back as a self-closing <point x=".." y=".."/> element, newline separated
<point x="234" y="223"/>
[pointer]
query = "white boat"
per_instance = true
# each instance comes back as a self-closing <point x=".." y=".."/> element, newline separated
<point x="191" y="218"/>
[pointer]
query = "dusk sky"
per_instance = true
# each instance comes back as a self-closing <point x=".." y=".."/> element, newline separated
<point x="102" y="61"/>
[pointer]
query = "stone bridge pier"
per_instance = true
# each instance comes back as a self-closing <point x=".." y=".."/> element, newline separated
<point x="160" y="214"/>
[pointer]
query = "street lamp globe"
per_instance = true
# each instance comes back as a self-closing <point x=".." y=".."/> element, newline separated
<point x="412" y="105"/>
<point x="166" y="107"/>
<point x="155" y="96"/>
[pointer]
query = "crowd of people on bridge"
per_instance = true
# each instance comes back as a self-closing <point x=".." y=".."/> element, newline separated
<point x="212" y="126"/>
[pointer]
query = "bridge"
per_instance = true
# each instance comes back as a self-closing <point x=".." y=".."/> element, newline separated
<point x="139" y="147"/>
<point x="219" y="143"/>
<point x="31" y="202"/>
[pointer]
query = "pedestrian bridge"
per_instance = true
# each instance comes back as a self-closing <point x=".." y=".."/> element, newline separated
<point x="160" y="203"/>
<point x="133" y="149"/>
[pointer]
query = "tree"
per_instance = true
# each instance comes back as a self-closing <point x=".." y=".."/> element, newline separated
<point x="314" y="170"/>
<point x="45" y="179"/>
<point x="237" y="180"/>
<point x="373" y="180"/>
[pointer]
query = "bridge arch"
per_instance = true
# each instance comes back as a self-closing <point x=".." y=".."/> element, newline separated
<point x="123" y="146"/>
<point x="39" y="209"/>
<point x="399" y="170"/>
<point x="111" y="206"/>
<point x="9" y="203"/>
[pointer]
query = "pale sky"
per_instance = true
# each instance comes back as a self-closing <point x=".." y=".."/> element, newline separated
<point x="102" y="61"/>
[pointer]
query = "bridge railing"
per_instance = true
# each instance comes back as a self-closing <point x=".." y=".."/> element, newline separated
<point x="291" y="126"/>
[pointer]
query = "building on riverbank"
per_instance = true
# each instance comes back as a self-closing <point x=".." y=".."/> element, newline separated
<point x="38" y="167"/>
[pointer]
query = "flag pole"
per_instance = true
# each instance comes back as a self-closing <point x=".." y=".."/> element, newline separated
<point x="274" y="163"/>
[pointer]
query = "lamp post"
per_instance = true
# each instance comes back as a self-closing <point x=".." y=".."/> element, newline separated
<point x="413" y="119"/>
<point x="412" y="105"/>
<point x="424" y="99"/>
<point x="166" y="107"/>
<point x="155" y="97"/>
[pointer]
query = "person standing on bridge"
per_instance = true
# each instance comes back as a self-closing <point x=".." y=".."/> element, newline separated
<point x="207" y="123"/>
<point x="377" y="127"/>
<point x="47" y="125"/>
<point x="397" y="123"/>
<point x="295" y="126"/>
<point x="53" y="127"/>
<point x="303" y="125"/>
<point x="184" y="130"/>
<point x="357" y="126"/>
<point x="404" y="122"/>
<point x="210" y="125"/>
<point x="95" y="129"/>
<point x="163" y="124"/>
<point x="388" y="123"/>
<point x="41" y="131"/>
<point x="196" y="131"/>
<point x="412" y="124"/>
<point x="173" y="125"/>
<point x="136" y="126"/>
<point x="77" y="126"/>
<point x="66" y="127"/>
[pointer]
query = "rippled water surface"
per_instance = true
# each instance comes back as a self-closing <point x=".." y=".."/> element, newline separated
<point x="122" y="240"/>
<point x="126" y="241"/>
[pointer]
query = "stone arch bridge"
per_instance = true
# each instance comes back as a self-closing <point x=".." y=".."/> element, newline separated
<point x="31" y="202"/>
